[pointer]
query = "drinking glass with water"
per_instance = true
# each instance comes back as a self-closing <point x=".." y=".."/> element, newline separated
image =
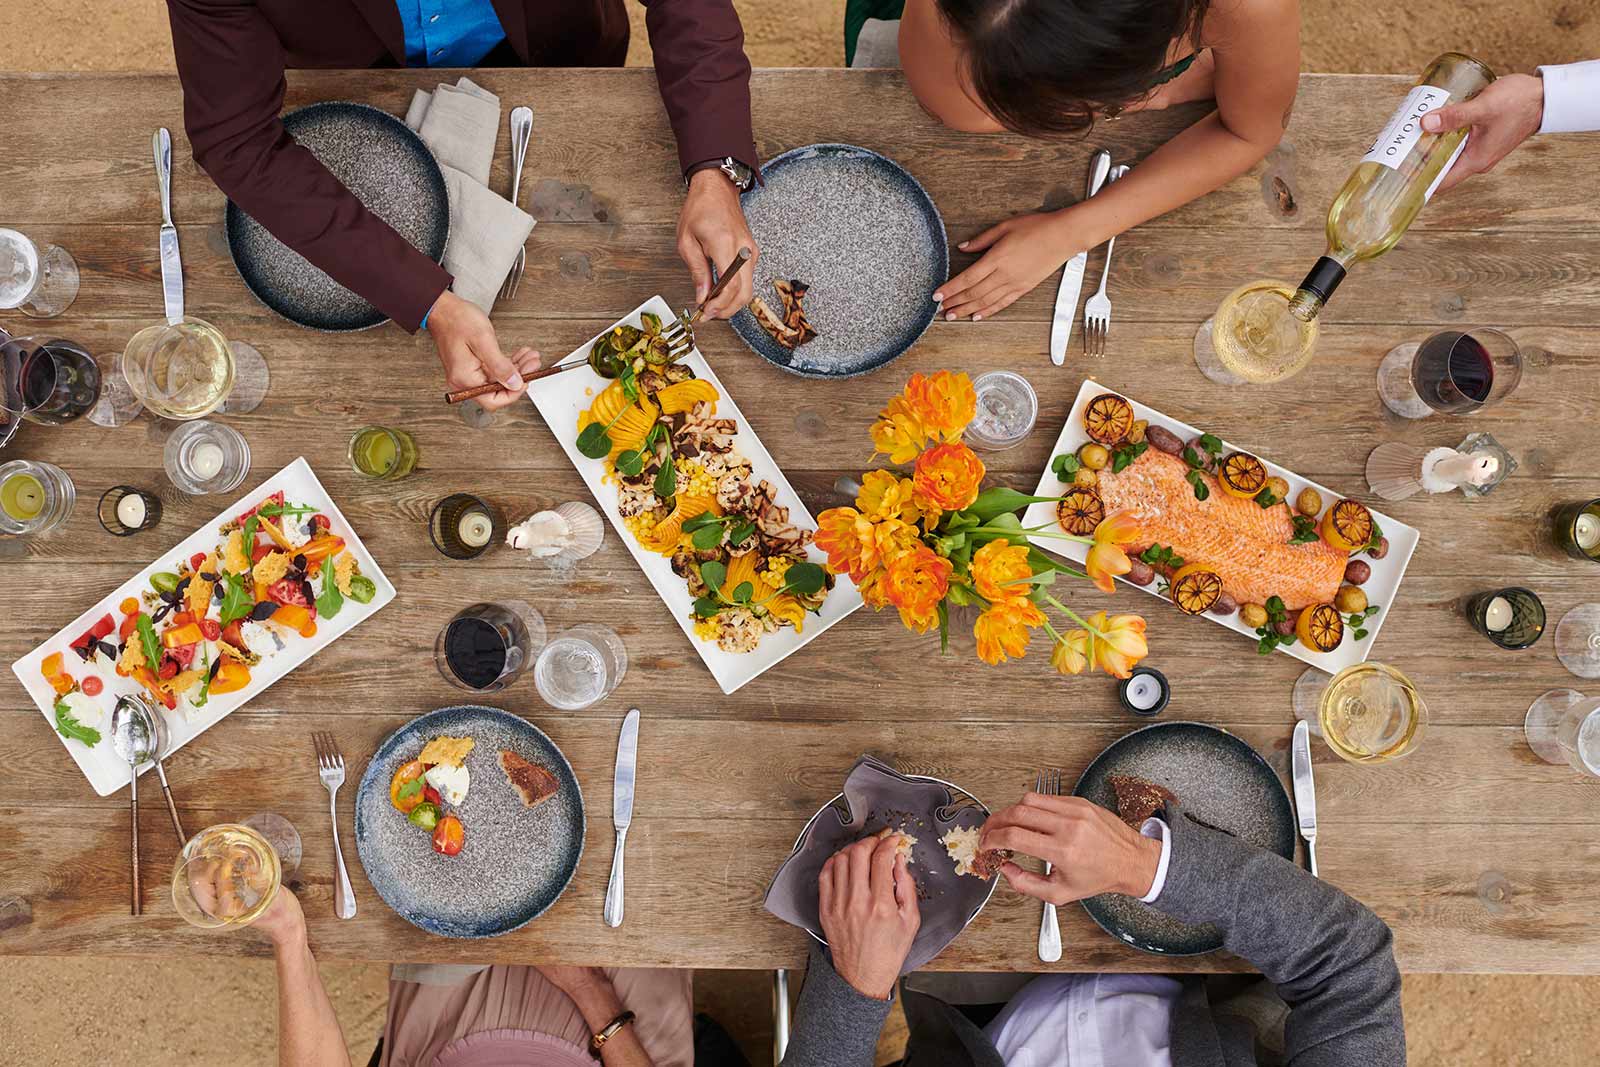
<point x="580" y="667"/>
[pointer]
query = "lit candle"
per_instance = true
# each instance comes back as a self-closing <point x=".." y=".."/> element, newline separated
<point x="206" y="460"/>
<point x="131" y="511"/>
<point x="1143" y="692"/>
<point x="22" y="496"/>
<point x="1497" y="615"/>
<point x="475" y="529"/>
<point x="1586" y="531"/>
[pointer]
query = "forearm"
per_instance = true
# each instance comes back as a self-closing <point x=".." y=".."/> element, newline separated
<point x="599" y="1005"/>
<point x="308" y="1028"/>
<point x="704" y="78"/>
<point x="835" y="1025"/>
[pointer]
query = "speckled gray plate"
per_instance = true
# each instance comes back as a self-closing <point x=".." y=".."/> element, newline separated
<point x="867" y="239"/>
<point x="1219" y="780"/>
<point x="390" y="170"/>
<point x="516" y="861"/>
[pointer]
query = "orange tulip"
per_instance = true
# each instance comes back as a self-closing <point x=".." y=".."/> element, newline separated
<point x="1003" y="629"/>
<point x="947" y="478"/>
<point x="915" y="582"/>
<point x="1070" y="654"/>
<point x="943" y="403"/>
<point x="847" y="537"/>
<point x="898" y="433"/>
<point x="1104" y="563"/>
<point x="884" y="495"/>
<point x="1118" y="643"/>
<point x="999" y="570"/>
<point x="1118" y="528"/>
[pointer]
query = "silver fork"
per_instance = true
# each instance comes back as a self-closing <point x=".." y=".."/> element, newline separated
<point x="521" y="130"/>
<point x="1097" y="309"/>
<point x="330" y="768"/>
<point x="1048" y="783"/>
<point x="680" y="332"/>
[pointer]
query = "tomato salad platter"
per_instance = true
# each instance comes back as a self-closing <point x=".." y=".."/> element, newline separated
<point x="1287" y="562"/>
<point x="208" y="626"/>
<point x="702" y="506"/>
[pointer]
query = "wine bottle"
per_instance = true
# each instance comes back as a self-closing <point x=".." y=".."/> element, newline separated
<point x="1394" y="179"/>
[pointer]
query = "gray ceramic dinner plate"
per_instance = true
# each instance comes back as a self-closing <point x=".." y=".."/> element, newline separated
<point x="516" y="861"/>
<point x="388" y="168"/>
<point x="865" y="236"/>
<point x="1220" y="781"/>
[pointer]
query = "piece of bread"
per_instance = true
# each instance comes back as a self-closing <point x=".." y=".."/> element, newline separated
<point x="450" y="751"/>
<point x="536" y="784"/>
<point x="961" y="844"/>
<point x="1137" y="798"/>
<point x="903" y="843"/>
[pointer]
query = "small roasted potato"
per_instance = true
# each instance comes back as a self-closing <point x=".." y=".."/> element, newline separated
<point x="1136" y="434"/>
<point x="1253" y="616"/>
<point x="1224" y="606"/>
<point x="1141" y="573"/>
<point x="1350" y="600"/>
<point x="1164" y="440"/>
<point x="1094" y="456"/>
<point x="1308" y="503"/>
<point x="1357" y="571"/>
<point x="1286" y="627"/>
<point x="1279" y="488"/>
<point x="1085" y="477"/>
<point x="1379" y="550"/>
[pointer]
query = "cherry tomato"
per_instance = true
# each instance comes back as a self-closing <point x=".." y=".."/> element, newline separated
<point x="195" y="560"/>
<point x="275" y="498"/>
<point x="169" y="668"/>
<point x="233" y="633"/>
<point x="129" y="606"/>
<point x="408" y="773"/>
<point x="261" y="552"/>
<point x="424" y="816"/>
<point x="183" y="656"/>
<point x="288" y="591"/>
<point x="432" y="796"/>
<point x="449" y="836"/>
<point x="320" y="522"/>
<point x="210" y="629"/>
<point x="125" y="631"/>
<point x="92" y="686"/>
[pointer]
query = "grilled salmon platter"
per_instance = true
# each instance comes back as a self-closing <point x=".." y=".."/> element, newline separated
<point x="1224" y="532"/>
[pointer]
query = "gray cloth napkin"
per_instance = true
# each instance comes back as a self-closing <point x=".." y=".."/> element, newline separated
<point x="877" y="796"/>
<point x="460" y="124"/>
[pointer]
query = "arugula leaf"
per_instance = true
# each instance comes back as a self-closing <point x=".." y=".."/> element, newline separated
<point x="666" y="479"/>
<point x="409" y="789"/>
<point x="272" y="510"/>
<point x="236" y="601"/>
<point x="147" y="638"/>
<point x="330" y="600"/>
<point x="630" y="463"/>
<point x="205" y="670"/>
<point x="67" y="725"/>
<point x="250" y="526"/>
<point x="1065" y="466"/>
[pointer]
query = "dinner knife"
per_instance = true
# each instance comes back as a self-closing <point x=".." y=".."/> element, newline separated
<point x="622" y="810"/>
<point x="171" y="265"/>
<point x="1305" y="791"/>
<point x="1072" y="273"/>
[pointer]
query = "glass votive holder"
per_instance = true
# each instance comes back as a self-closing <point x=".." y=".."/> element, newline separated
<point x="35" y="498"/>
<point x="1577" y="530"/>
<point x="1007" y="408"/>
<point x="204" y="457"/>
<point x="1511" y="618"/>
<point x="463" y="526"/>
<point x="125" y="510"/>
<point x="383" y="453"/>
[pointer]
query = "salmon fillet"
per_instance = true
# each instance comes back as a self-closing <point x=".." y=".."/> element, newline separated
<point x="1245" y="544"/>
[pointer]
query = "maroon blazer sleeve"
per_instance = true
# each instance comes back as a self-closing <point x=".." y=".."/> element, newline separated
<point x="704" y="78"/>
<point x="231" y="64"/>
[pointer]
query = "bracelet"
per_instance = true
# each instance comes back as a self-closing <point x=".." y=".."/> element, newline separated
<point x="609" y="1031"/>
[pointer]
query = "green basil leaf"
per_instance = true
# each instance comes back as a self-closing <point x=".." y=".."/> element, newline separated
<point x="1065" y="466"/>
<point x="1211" y="443"/>
<point x="1192" y="458"/>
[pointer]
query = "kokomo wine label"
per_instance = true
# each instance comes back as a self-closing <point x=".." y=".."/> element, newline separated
<point x="1394" y="144"/>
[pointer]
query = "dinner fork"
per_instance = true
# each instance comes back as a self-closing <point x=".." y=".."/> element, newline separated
<point x="1048" y="783"/>
<point x="330" y="768"/>
<point x="1097" y="309"/>
<point x="521" y="130"/>
<point x="680" y="332"/>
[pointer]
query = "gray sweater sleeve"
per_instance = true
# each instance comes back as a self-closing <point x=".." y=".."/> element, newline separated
<point x="835" y="1025"/>
<point x="1330" y="957"/>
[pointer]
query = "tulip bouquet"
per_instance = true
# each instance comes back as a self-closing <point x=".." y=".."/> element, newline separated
<point x="936" y="538"/>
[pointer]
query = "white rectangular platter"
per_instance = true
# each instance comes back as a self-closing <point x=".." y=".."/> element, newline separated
<point x="1381" y="588"/>
<point x="561" y="397"/>
<point x="100" y="764"/>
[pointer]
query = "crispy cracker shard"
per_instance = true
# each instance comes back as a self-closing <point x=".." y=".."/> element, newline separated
<point x="1137" y="798"/>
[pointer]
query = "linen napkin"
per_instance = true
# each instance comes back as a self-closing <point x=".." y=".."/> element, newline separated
<point x="875" y="796"/>
<point x="460" y="124"/>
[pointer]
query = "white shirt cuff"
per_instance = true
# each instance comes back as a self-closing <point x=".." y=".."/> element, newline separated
<point x="1154" y="827"/>
<point x="1571" y="97"/>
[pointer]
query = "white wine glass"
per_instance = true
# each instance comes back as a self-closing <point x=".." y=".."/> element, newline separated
<point x="38" y="280"/>
<point x="1578" y="640"/>
<point x="1254" y="336"/>
<point x="1563" y="726"/>
<point x="179" y="371"/>
<point x="229" y="874"/>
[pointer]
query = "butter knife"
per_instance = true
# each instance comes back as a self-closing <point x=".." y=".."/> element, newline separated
<point x="1305" y="791"/>
<point x="171" y="265"/>
<point x="622" y="810"/>
<point x="1072" y="273"/>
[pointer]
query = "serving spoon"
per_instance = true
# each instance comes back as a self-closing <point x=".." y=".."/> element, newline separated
<point x="132" y="735"/>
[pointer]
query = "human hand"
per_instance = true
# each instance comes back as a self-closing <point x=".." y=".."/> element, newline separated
<point x="283" y="922"/>
<point x="470" y="351"/>
<point x="712" y="229"/>
<point x="1090" y="850"/>
<point x="868" y="903"/>
<point x="1018" y="254"/>
<point x="1506" y="113"/>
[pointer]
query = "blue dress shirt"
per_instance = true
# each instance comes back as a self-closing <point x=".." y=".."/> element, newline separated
<point x="449" y="33"/>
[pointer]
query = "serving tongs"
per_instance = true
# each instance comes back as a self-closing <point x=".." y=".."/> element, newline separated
<point x="679" y="335"/>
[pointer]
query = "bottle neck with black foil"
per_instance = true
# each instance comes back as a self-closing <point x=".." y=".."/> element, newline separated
<point x="1318" y="286"/>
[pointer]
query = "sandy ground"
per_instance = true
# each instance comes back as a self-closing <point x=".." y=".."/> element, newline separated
<point x="114" y="1012"/>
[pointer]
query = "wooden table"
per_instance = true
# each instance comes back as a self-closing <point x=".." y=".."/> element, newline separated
<point x="1481" y="857"/>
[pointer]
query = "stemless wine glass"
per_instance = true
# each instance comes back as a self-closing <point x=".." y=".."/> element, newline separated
<point x="38" y="281"/>
<point x="580" y="667"/>
<point x="47" y="380"/>
<point x="383" y="453"/>
<point x="486" y="647"/>
<point x="1454" y="372"/>
<point x="1007" y="408"/>
<point x="182" y="371"/>
<point x="1563" y="726"/>
<point x="229" y="874"/>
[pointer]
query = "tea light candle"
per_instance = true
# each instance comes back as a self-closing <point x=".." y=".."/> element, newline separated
<point x="1145" y="691"/>
<point x="475" y="529"/>
<point x="206" y="460"/>
<point x="1497" y="615"/>
<point x="131" y="511"/>
<point x="22" y="496"/>
<point x="1586" y="531"/>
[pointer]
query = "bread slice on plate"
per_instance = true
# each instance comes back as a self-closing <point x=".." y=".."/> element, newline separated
<point x="1138" y="798"/>
<point x="536" y="784"/>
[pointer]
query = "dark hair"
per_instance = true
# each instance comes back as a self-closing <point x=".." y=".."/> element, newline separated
<point x="1043" y="68"/>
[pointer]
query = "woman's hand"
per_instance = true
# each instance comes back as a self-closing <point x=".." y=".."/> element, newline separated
<point x="1090" y="850"/>
<point x="574" y="981"/>
<point x="1018" y="254"/>
<point x="868" y="904"/>
<point x="1506" y="113"/>
<point x="283" y="921"/>
<point x="471" y="354"/>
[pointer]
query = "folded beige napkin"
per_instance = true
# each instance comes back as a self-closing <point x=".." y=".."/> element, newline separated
<point x="460" y="124"/>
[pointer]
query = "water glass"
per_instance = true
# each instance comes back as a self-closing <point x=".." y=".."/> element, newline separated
<point x="1454" y="372"/>
<point x="580" y="667"/>
<point x="463" y="527"/>
<point x="1007" y="409"/>
<point x="486" y="647"/>
<point x="383" y="453"/>
<point x="1512" y="618"/>
<point x="41" y="281"/>
<point x="48" y="381"/>
<point x="1578" y="640"/>
<point x="1563" y="726"/>
<point x="35" y="498"/>
<point x="125" y="510"/>
<point x="206" y="457"/>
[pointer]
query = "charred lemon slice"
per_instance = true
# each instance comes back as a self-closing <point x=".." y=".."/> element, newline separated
<point x="1195" y="589"/>
<point x="1241" y="474"/>
<point x="1080" y="511"/>
<point x="1321" y="627"/>
<point x="1108" y="418"/>
<point x="1347" y="526"/>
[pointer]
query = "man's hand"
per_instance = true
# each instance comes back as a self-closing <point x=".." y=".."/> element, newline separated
<point x="868" y="903"/>
<point x="283" y="921"/>
<point x="1090" y="850"/>
<point x="1506" y="113"/>
<point x="711" y="230"/>
<point x="471" y="353"/>
<point x="1018" y="254"/>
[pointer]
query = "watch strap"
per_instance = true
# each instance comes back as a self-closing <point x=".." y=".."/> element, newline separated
<point x="607" y="1032"/>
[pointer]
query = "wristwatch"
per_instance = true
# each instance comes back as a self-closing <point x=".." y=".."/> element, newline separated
<point x="607" y="1032"/>
<point x="738" y="173"/>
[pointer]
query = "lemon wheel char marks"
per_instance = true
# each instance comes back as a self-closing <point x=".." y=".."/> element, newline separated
<point x="1080" y="511"/>
<point x="1348" y="526"/>
<point x="1241" y="474"/>
<point x="1108" y="418"/>
<point x="1320" y="627"/>
<point x="1195" y="589"/>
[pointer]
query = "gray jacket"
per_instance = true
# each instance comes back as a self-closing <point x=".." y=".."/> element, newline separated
<point x="1330" y="959"/>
